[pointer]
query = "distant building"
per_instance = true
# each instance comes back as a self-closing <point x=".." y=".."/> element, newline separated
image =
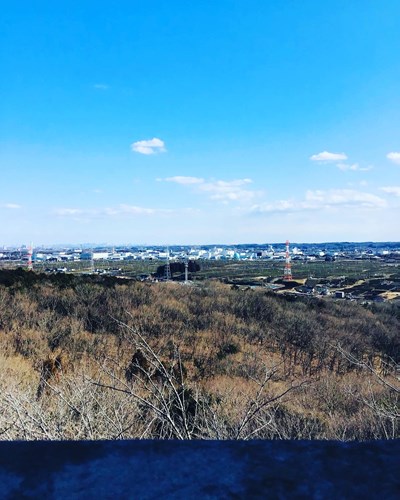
<point x="94" y="255"/>
<point x="322" y="290"/>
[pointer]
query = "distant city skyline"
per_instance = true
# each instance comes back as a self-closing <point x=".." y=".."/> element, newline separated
<point x="215" y="122"/>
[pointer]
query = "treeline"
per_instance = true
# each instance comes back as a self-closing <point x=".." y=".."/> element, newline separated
<point x="202" y="361"/>
<point x="21" y="279"/>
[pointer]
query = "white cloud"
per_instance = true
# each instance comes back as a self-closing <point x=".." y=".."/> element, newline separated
<point x="326" y="156"/>
<point x="323" y="200"/>
<point x="149" y="147"/>
<point x="394" y="157"/>
<point x="224" y="191"/>
<point x="355" y="166"/>
<point x="395" y="190"/>
<point x="11" y="206"/>
<point x="101" y="86"/>
<point x="180" y="179"/>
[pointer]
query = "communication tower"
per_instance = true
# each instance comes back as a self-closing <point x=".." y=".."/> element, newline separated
<point x="30" y="261"/>
<point x="287" y="271"/>
<point x="186" y="269"/>
<point x="91" y="269"/>
<point x="167" y="275"/>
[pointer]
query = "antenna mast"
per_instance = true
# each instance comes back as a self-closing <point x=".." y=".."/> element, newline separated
<point x="167" y="275"/>
<point x="92" y="262"/>
<point x="30" y="261"/>
<point x="186" y="269"/>
<point x="287" y="272"/>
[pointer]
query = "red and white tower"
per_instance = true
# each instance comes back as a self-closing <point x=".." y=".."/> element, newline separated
<point x="287" y="272"/>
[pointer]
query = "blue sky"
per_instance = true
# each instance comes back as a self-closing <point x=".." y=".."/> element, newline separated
<point x="220" y="121"/>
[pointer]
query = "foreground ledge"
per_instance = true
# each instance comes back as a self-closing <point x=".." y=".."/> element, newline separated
<point x="200" y="469"/>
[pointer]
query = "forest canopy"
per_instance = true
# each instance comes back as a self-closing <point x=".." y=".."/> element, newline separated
<point x="86" y="357"/>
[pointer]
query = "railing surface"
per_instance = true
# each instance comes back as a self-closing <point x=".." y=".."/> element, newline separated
<point x="200" y="469"/>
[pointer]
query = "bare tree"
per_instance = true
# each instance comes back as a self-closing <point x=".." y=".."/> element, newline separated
<point x="385" y="406"/>
<point x="173" y="408"/>
<point x="70" y="408"/>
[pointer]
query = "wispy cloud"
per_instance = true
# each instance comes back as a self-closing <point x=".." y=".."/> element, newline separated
<point x="219" y="190"/>
<point x="278" y="206"/>
<point x="180" y="179"/>
<point x="68" y="211"/>
<point x="122" y="209"/>
<point x="101" y="86"/>
<point x="395" y="190"/>
<point x="355" y="166"/>
<point x="11" y="206"/>
<point x="338" y="159"/>
<point x="345" y="198"/>
<point x="326" y="156"/>
<point x="322" y="200"/>
<point x="228" y="190"/>
<point x="149" y="147"/>
<point x="394" y="157"/>
<point x="135" y="210"/>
